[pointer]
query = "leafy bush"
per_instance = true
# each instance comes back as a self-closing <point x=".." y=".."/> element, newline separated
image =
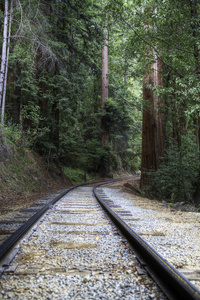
<point x="76" y="175"/>
<point x="12" y="133"/>
<point x="178" y="172"/>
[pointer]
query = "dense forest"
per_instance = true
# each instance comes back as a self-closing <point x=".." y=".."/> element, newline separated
<point x="106" y="86"/>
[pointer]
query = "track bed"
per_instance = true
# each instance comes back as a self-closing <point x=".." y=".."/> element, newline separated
<point x="77" y="253"/>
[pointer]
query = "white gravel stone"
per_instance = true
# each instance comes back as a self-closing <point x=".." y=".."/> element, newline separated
<point x="77" y="256"/>
<point x="174" y="234"/>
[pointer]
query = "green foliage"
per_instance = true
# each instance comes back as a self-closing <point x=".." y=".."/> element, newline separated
<point x="54" y="88"/>
<point x="178" y="172"/>
<point x="11" y="133"/>
<point x="169" y="31"/>
<point x="20" y="169"/>
<point x="76" y="176"/>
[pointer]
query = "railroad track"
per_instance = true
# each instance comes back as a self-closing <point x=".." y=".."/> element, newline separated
<point x="13" y="228"/>
<point x="16" y="218"/>
<point x="76" y="245"/>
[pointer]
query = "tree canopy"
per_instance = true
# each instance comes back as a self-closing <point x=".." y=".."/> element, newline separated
<point x="54" y="94"/>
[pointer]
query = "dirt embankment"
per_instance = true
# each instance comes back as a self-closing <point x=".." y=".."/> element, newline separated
<point x="24" y="178"/>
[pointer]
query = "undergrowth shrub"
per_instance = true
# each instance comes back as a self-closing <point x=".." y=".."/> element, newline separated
<point x="110" y="161"/>
<point x="12" y="133"/>
<point x="76" y="175"/>
<point x="177" y="174"/>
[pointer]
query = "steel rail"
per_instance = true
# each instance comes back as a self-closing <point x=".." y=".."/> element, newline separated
<point x="14" y="238"/>
<point x="170" y="280"/>
<point x="11" y="240"/>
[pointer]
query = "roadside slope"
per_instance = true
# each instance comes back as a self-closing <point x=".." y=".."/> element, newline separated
<point x="24" y="177"/>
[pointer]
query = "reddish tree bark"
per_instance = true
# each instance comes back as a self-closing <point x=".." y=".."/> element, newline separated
<point x="153" y="119"/>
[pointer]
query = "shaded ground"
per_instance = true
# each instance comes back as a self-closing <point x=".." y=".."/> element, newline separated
<point x="24" y="178"/>
<point x="13" y="196"/>
<point x="130" y="184"/>
<point x="10" y="200"/>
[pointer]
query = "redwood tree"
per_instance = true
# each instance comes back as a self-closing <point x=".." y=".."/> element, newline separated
<point x="152" y="129"/>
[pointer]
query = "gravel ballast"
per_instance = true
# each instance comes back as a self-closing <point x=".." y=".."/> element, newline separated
<point x="76" y="253"/>
<point x="173" y="233"/>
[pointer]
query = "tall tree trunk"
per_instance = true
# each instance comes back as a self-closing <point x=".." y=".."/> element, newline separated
<point x="153" y="118"/>
<point x="1" y="25"/>
<point x="6" y="67"/>
<point x="3" y="76"/>
<point x="195" y="28"/>
<point x="126" y="70"/>
<point x="104" y="90"/>
<point x="3" y="56"/>
<point x="56" y="115"/>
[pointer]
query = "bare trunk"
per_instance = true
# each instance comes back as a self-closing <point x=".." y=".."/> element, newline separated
<point x="3" y="148"/>
<point x="3" y="56"/>
<point x="152" y="131"/>
<point x="6" y="67"/>
<point x="126" y="70"/>
<point x="56" y="115"/>
<point x="104" y="90"/>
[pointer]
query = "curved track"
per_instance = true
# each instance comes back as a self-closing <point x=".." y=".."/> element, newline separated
<point x="170" y="280"/>
<point x="174" y="285"/>
<point x="15" y="236"/>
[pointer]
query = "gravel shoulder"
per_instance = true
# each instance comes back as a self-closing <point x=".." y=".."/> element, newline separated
<point x="174" y="234"/>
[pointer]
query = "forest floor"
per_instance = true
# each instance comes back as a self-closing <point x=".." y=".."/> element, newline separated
<point x="24" y="179"/>
<point x="22" y="200"/>
<point x="132" y="186"/>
